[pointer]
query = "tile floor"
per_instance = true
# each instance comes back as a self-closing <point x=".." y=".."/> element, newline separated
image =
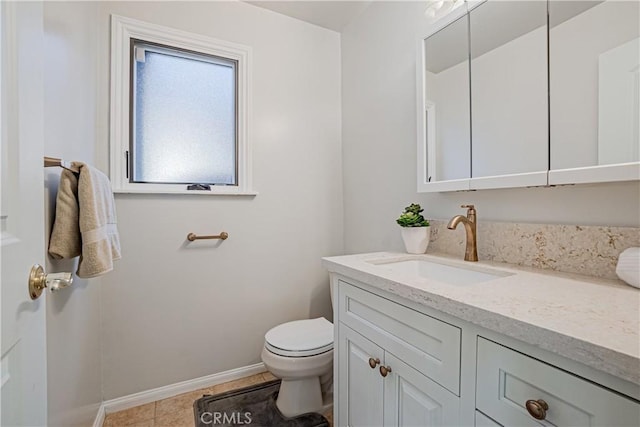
<point x="177" y="411"/>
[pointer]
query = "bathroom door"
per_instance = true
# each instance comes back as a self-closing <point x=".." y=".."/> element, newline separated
<point x="23" y="392"/>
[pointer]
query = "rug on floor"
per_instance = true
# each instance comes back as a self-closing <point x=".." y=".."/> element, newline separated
<point x="253" y="406"/>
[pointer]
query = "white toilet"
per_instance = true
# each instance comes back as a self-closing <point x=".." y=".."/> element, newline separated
<point x="300" y="353"/>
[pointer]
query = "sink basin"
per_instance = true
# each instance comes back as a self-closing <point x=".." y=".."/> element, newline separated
<point x="441" y="272"/>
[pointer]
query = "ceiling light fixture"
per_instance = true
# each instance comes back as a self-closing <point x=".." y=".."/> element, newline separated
<point x="437" y="9"/>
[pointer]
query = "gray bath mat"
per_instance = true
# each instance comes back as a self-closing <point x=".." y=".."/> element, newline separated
<point x="253" y="406"/>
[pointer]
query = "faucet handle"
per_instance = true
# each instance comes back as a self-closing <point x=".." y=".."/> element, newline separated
<point x="471" y="210"/>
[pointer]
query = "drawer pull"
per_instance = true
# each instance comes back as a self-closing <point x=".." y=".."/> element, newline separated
<point x="536" y="408"/>
<point x="374" y="362"/>
<point x="384" y="370"/>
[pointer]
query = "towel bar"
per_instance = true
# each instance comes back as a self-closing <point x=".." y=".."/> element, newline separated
<point x="50" y="162"/>
<point x="192" y="236"/>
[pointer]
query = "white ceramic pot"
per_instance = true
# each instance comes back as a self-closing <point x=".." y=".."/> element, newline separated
<point x="416" y="239"/>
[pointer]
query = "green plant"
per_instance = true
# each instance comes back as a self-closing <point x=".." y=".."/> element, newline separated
<point x="411" y="217"/>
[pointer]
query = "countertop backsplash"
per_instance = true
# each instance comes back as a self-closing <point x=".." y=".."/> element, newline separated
<point x="588" y="250"/>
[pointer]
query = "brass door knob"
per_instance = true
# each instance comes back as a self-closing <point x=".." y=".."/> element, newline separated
<point x="384" y="370"/>
<point x="374" y="362"/>
<point x="537" y="408"/>
<point x="38" y="280"/>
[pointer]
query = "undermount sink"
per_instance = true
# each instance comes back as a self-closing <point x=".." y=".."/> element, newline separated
<point x="441" y="272"/>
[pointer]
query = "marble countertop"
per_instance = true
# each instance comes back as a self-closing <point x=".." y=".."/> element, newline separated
<point x="593" y="321"/>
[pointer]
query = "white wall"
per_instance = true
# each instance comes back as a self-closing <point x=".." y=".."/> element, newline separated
<point x="173" y="311"/>
<point x="379" y="146"/>
<point x="73" y="315"/>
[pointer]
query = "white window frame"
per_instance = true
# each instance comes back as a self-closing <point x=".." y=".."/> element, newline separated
<point x="122" y="31"/>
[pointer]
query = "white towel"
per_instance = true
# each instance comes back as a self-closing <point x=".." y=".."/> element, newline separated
<point x="85" y="222"/>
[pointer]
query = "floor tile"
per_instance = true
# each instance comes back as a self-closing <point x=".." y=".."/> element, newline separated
<point x="179" y="418"/>
<point x="177" y="411"/>
<point x="329" y="416"/>
<point x="132" y="416"/>
<point x="178" y="403"/>
<point x="268" y="376"/>
<point x="233" y="385"/>
<point x="148" y="423"/>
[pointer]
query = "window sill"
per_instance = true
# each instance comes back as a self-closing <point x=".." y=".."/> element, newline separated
<point x="221" y="191"/>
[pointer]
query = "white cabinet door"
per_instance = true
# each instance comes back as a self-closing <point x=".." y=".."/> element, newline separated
<point x="411" y="399"/>
<point x="360" y="386"/>
<point x="483" y="421"/>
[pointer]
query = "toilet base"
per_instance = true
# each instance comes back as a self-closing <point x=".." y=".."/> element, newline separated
<point x="299" y="396"/>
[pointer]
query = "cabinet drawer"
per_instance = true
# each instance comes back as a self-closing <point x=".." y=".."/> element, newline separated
<point x="430" y="346"/>
<point x="506" y="379"/>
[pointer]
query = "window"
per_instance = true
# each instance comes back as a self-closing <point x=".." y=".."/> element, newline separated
<point x="184" y="117"/>
<point x="179" y="109"/>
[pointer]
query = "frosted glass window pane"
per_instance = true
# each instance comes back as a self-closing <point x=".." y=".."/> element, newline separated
<point x="185" y="120"/>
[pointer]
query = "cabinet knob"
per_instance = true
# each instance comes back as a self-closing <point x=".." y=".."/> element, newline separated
<point x="537" y="408"/>
<point x="374" y="362"/>
<point x="384" y="370"/>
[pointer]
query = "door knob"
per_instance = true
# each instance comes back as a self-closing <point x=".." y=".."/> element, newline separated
<point x="374" y="362"/>
<point x="38" y="280"/>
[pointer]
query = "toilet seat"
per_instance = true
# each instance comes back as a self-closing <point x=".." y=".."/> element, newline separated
<point x="300" y="338"/>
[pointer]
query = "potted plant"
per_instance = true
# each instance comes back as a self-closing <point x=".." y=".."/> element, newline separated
<point x="415" y="229"/>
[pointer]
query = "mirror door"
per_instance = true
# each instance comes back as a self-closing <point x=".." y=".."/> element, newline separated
<point x="509" y="94"/>
<point x="595" y="91"/>
<point x="444" y="143"/>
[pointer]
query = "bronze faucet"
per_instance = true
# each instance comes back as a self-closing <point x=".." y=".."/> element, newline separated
<point x="471" y="252"/>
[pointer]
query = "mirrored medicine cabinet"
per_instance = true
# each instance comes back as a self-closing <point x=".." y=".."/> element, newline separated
<point x="530" y="93"/>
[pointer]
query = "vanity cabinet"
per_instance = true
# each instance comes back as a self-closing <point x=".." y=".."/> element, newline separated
<point x="404" y="365"/>
<point x="394" y="363"/>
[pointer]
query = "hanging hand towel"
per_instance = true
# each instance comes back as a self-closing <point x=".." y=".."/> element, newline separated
<point x="86" y="201"/>
<point x="65" y="239"/>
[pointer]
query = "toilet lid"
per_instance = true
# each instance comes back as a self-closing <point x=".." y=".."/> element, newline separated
<point x="300" y="338"/>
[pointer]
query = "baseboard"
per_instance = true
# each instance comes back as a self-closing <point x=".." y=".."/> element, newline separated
<point x="99" y="417"/>
<point x="143" y="397"/>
